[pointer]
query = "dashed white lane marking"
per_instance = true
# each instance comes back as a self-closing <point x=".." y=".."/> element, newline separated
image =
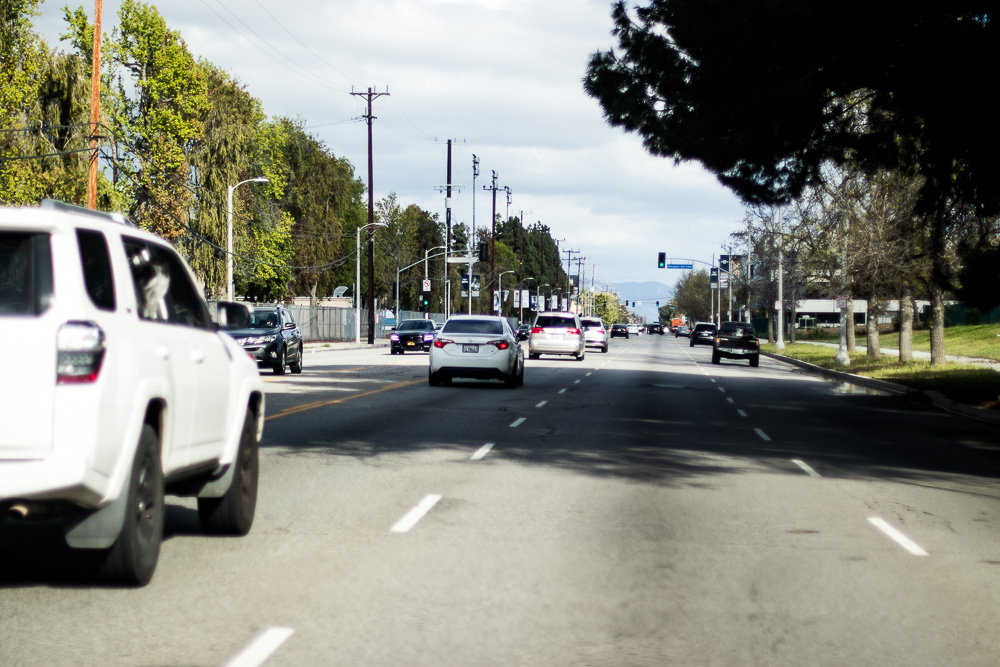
<point x="517" y="422"/>
<point x="712" y="379"/>
<point x="411" y="518"/>
<point x="729" y="400"/>
<point x="576" y="382"/>
<point x="897" y="536"/>
<point x="563" y="390"/>
<point x="805" y="466"/>
<point x="482" y="451"/>
<point x="588" y="375"/>
<point x="541" y="404"/>
<point x="740" y="413"/>
<point x="722" y="389"/>
<point x="763" y="436"/>
<point x="261" y="648"/>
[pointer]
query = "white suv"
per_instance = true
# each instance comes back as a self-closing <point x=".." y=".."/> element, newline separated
<point x="119" y="387"/>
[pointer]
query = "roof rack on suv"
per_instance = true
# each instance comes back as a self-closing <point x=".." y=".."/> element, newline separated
<point x="57" y="205"/>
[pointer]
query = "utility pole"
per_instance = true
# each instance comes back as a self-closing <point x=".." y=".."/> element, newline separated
<point x="370" y="299"/>
<point x="95" y="109"/>
<point x="520" y="265"/>
<point x="475" y="172"/>
<point x="447" y="250"/>
<point x="569" y="267"/>
<point x="580" y="293"/>
<point x="493" y="242"/>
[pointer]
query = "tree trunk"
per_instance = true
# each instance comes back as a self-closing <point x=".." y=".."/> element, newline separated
<point x="906" y="325"/>
<point x="937" y="326"/>
<point x="770" y="326"/>
<point x="874" y="343"/>
<point x="791" y="329"/>
<point x="851" y="342"/>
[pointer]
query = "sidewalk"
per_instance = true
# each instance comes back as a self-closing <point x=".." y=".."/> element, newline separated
<point x="325" y="345"/>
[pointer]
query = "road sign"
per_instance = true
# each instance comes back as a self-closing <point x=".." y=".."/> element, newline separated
<point x="461" y="260"/>
<point x="680" y="266"/>
<point x="427" y="286"/>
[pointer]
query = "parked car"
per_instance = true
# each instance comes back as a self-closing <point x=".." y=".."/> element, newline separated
<point x="133" y="390"/>
<point x="557" y="333"/>
<point x="619" y="331"/>
<point x="703" y="333"/>
<point x="682" y="330"/>
<point x="595" y="334"/>
<point x="412" y="335"/>
<point x="476" y="346"/>
<point x="736" y="340"/>
<point x="273" y="339"/>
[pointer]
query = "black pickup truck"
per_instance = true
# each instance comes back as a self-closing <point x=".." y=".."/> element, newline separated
<point x="736" y="340"/>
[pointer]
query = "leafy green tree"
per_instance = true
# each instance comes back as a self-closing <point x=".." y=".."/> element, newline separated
<point x="764" y="94"/>
<point x="157" y="101"/>
<point x="692" y="296"/>
<point x="21" y="54"/>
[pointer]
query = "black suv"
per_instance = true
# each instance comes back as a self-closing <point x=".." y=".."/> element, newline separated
<point x="273" y="339"/>
<point x="703" y="334"/>
<point x="619" y="331"/>
<point x="412" y="335"/>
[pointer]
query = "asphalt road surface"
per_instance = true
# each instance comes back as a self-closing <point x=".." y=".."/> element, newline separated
<point x="641" y="507"/>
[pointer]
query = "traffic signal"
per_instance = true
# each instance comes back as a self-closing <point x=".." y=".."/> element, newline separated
<point x="484" y="251"/>
<point x="661" y="262"/>
<point x="657" y="304"/>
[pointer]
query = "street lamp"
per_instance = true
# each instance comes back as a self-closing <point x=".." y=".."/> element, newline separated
<point x="357" y="282"/>
<point x="229" y="234"/>
<point x="538" y="297"/>
<point x="520" y="299"/>
<point x="500" y="287"/>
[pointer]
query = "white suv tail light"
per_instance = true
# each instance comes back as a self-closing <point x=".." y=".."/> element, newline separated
<point x="79" y="352"/>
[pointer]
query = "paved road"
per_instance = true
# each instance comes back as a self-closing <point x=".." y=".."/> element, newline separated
<point x="642" y="507"/>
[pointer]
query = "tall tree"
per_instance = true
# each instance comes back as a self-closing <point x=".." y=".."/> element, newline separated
<point x="765" y="93"/>
<point x="21" y="53"/>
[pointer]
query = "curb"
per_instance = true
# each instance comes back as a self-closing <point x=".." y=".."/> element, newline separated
<point x="936" y="398"/>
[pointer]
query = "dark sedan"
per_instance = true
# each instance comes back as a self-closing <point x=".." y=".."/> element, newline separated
<point x="619" y="331"/>
<point x="412" y="335"/>
<point x="273" y="339"/>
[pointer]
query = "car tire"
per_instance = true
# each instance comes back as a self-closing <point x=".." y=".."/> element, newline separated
<point x="132" y="558"/>
<point x="532" y="355"/>
<point x="715" y="357"/>
<point x="580" y="356"/>
<point x="755" y="361"/>
<point x="297" y="366"/>
<point x="233" y="513"/>
<point x="604" y="349"/>
<point x="279" y="365"/>
<point x="434" y="379"/>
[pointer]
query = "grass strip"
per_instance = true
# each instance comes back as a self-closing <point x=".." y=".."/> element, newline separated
<point x="972" y="385"/>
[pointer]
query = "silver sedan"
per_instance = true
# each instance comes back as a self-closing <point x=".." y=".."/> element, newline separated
<point x="480" y="347"/>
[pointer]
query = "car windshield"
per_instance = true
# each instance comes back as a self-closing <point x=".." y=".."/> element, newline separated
<point x="473" y="326"/>
<point x="264" y="319"/>
<point x="415" y="325"/>
<point x="593" y="323"/>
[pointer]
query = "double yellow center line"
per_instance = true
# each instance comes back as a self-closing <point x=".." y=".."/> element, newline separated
<point x="343" y="399"/>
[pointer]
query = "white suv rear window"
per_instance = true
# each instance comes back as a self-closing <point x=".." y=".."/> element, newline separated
<point x="25" y="273"/>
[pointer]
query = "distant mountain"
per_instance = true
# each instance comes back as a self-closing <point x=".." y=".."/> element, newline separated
<point x="646" y="295"/>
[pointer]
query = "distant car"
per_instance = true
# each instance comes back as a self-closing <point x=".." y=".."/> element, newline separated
<point x="412" y="335"/>
<point x="523" y="332"/>
<point x="703" y="333"/>
<point x="595" y="334"/>
<point x="273" y="339"/>
<point x="557" y="333"/>
<point x="681" y="330"/>
<point x="654" y="328"/>
<point x="619" y="331"/>
<point x="131" y="390"/>
<point x="480" y="347"/>
<point x="633" y="329"/>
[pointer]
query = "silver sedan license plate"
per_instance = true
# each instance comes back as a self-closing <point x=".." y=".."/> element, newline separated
<point x="474" y="349"/>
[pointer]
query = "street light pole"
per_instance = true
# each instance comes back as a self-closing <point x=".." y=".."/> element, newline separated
<point x="500" y="287"/>
<point x="357" y="282"/>
<point x="229" y="234"/>
<point x="538" y="297"/>
<point x="520" y="298"/>
<point x="779" y="343"/>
